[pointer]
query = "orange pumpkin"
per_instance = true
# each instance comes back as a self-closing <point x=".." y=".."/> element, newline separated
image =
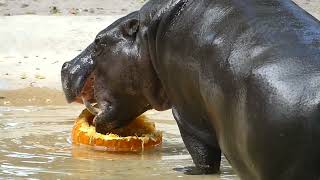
<point x="139" y="135"/>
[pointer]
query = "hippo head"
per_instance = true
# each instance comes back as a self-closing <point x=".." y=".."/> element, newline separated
<point x="115" y="71"/>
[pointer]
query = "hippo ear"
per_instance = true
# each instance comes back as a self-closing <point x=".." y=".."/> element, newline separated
<point x="131" y="27"/>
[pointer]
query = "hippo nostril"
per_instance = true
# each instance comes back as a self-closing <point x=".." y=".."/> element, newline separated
<point x="65" y="65"/>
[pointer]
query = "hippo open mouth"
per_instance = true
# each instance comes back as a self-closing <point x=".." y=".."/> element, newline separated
<point x="87" y="96"/>
<point x="78" y="79"/>
<point x="87" y="91"/>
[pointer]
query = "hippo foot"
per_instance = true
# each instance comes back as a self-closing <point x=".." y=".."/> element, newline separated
<point x="192" y="170"/>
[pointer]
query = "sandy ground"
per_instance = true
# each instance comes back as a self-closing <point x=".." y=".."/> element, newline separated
<point x="68" y="7"/>
<point x="34" y="49"/>
<point x="39" y="35"/>
<point x="96" y="7"/>
<point x="312" y="6"/>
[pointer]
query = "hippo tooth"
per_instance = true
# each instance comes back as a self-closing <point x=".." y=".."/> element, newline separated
<point x="91" y="109"/>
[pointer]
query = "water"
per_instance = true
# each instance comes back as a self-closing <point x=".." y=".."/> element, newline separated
<point x="35" y="144"/>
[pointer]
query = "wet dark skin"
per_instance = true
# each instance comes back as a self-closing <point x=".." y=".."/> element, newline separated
<point x="242" y="77"/>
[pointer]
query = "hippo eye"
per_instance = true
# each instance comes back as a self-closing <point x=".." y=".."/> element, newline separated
<point x="131" y="27"/>
<point x="97" y="52"/>
<point x="99" y="38"/>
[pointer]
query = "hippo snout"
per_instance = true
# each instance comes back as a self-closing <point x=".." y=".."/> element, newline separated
<point x="77" y="76"/>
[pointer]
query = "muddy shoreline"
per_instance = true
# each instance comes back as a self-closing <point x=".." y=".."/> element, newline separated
<point x="32" y="96"/>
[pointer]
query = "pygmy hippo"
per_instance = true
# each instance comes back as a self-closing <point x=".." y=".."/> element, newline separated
<point x="242" y="77"/>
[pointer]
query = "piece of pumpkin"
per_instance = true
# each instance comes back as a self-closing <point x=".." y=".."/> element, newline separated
<point x="139" y="135"/>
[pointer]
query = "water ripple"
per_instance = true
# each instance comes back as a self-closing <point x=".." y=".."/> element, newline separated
<point x="35" y="143"/>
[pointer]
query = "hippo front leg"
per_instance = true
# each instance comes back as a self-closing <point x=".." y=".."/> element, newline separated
<point x="206" y="158"/>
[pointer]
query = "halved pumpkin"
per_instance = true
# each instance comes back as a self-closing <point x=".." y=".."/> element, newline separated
<point x="139" y="135"/>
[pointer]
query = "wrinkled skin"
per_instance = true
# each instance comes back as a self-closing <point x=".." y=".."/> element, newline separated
<point x="241" y="77"/>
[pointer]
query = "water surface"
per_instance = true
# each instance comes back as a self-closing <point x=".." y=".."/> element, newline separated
<point x="35" y="144"/>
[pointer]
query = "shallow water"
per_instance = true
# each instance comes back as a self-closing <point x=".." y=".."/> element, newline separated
<point x="35" y="144"/>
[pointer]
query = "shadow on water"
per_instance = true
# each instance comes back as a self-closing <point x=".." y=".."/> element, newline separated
<point x="35" y="143"/>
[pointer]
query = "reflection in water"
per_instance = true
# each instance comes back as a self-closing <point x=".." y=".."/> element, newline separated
<point x="35" y="143"/>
